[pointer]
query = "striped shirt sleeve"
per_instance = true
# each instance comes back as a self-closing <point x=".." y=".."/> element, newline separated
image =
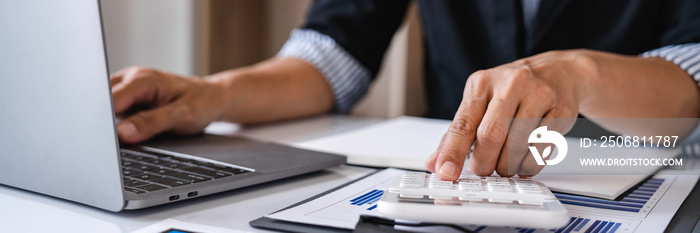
<point x="348" y="79"/>
<point x="687" y="57"/>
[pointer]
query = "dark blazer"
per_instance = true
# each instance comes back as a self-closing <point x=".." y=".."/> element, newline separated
<point x="463" y="36"/>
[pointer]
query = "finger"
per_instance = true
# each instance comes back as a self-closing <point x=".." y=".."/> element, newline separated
<point x="529" y="167"/>
<point x="554" y="121"/>
<point x="146" y="124"/>
<point x="114" y="80"/>
<point x="118" y="76"/>
<point x="430" y="161"/>
<point x="527" y="118"/>
<point x="459" y="138"/>
<point x="491" y="135"/>
<point x="132" y="92"/>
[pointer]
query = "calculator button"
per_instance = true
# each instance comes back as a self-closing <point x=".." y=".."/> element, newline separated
<point x="497" y="179"/>
<point x="530" y="202"/>
<point x="471" y="189"/>
<point x="500" y="189"/>
<point x="412" y="181"/>
<point x="471" y="199"/>
<point x="530" y="190"/>
<point x="495" y="200"/>
<point x="411" y="185"/>
<point x="405" y="195"/>
<point x="440" y="197"/>
<point x="440" y="187"/>
<point x="414" y="174"/>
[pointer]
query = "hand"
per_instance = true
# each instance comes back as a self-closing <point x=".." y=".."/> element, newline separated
<point x="174" y="104"/>
<point x="542" y="87"/>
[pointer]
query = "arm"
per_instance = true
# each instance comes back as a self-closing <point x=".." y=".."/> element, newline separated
<point x="327" y="67"/>
<point x="278" y="88"/>
<point x="552" y="85"/>
<point x="272" y="90"/>
<point x="638" y="87"/>
<point x="660" y="89"/>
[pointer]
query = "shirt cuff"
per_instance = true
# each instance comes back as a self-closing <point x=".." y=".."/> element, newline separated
<point x="687" y="57"/>
<point x="691" y="144"/>
<point x="349" y="80"/>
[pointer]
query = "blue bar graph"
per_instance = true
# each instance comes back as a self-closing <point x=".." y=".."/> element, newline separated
<point x="595" y="224"/>
<point x="598" y="226"/>
<point x="602" y="224"/>
<point x="632" y="202"/>
<point x="363" y="196"/>
<point x="562" y="229"/>
<point x="576" y="225"/>
<point x="585" y="221"/>
<point x="572" y="225"/>
<point x="614" y="228"/>
<point x="607" y="227"/>
<point x="368" y="198"/>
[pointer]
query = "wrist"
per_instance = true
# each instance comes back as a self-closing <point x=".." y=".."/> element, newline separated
<point x="585" y="66"/>
<point x="226" y="86"/>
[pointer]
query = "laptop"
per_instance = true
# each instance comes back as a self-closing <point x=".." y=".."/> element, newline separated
<point x="57" y="124"/>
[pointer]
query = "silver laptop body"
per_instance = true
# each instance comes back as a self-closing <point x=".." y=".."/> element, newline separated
<point x="57" y="125"/>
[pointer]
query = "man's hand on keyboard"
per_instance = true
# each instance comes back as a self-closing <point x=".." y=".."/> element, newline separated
<point x="175" y="104"/>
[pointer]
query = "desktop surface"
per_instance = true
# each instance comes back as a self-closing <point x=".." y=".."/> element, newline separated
<point x="32" y="212"/>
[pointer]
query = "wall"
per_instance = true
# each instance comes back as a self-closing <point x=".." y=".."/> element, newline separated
<point x="199" y="37"/>
<point x="155" y="33"/>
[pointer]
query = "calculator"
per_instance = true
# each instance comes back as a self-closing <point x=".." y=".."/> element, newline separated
<point x="494" y="201"/>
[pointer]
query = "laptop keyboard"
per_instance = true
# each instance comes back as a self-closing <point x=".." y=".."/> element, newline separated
<point x="144" y="173"/>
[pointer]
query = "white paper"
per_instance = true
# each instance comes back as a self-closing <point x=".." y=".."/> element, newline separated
<point x="404" y="142"/>
<point x="611" y="181"/>
<point x="171" y="224"/>
<point x="334" y="210"/>
<point x="601" y="186"/>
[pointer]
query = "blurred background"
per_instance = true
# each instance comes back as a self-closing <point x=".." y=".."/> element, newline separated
<point x="200" y="37"/>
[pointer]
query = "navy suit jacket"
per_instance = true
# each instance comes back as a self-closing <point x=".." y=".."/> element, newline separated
<point x="463" y="36"/>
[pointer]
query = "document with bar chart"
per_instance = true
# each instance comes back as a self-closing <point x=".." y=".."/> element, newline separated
<point x="342" y="208"/>
<point x="648" y="207"/>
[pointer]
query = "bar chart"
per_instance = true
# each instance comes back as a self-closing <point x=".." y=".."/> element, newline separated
<point x="582" y="225"/>
<point x="369" y="198"/>
<point x="632" y="202"/>
<point x="577" y="224"/>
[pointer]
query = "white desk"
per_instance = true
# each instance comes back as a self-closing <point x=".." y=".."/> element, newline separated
<point x="22" y="211"/>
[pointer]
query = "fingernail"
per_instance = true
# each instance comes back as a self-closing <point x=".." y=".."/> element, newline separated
<point x="448" y="169"/>
<point x="126" y="129"/>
